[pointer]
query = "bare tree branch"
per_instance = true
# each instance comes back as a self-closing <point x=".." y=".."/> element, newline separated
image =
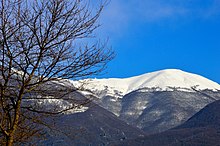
<point x="42" y="44"/>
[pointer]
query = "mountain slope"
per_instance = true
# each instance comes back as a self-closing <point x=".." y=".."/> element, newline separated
<point x="208" y="116"/>
<point x="95" y="126"/>
<point x="158" y="111"/>
<point x="88" y="124"/>
<point x="201" y="129"/>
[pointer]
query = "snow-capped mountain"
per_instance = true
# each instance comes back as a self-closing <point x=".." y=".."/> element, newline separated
<point x="156" y="101"/>
<point x="127" y="108"/>
<point x="163" y="80"/>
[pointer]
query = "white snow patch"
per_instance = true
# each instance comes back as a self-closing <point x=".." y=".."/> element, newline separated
<point x="48" y="103"/>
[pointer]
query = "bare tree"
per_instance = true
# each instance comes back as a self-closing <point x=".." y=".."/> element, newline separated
<point x="41" y="45"/>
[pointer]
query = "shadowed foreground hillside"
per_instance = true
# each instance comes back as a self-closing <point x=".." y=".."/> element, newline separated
<point x="96" y="126"/>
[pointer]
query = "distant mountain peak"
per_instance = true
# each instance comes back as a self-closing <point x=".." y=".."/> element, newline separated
<point x="164" y="80"/>
<point x="175" y="78"/>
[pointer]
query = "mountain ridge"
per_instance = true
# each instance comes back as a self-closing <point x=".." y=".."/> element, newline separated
<point x="163" y="80"/>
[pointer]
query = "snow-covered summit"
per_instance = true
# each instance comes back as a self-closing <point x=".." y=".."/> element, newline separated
<point x="163" y="79"/>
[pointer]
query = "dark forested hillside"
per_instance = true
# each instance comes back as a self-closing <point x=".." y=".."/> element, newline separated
<point x="203" y="129"/>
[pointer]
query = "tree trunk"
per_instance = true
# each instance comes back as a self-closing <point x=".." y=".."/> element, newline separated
<point x="9" y="140"/>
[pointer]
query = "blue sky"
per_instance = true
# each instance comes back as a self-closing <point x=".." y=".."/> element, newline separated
<point x="150" y="35"/>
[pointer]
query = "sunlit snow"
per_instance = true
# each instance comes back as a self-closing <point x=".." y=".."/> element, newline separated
<point x="164" y="80"/>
